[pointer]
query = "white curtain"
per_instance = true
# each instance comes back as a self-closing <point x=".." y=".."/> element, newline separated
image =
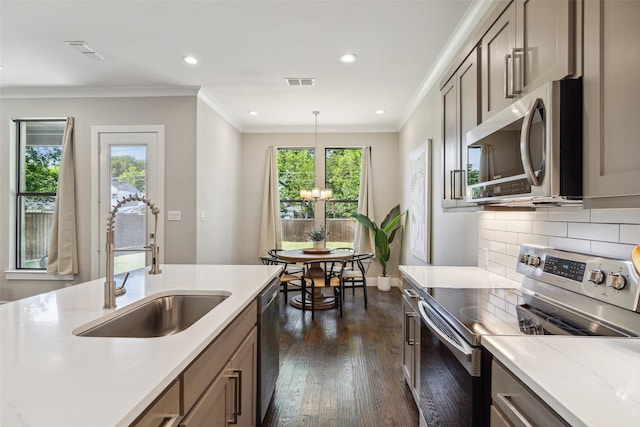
<point x="270" y="229"/>
<point x="364" y="238"/>
<point x="63" y="248"/>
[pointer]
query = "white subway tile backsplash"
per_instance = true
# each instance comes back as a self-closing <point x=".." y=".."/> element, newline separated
<point x="601" y="232"/>
<point x="486" y="234"/>
<point x="550" y="228"/>
<point x="510" y="215"/>
<point x="519" y="226"/>
<point x="590" y="231"/>
<point x="506" y="236"/>
<point x="506" y="260"/>
<point x="630" y="234"/>
<point x="569" y="214"/>
<point x="538" y="215"/>
<point x="616" y="216"/>
<point x="533" y="239"/>
<point x="497" y="247"/>
<point x="575" y="245"/>
<point x="612" y="250"/>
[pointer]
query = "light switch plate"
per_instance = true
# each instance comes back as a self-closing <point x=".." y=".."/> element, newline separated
<point x="174" y="215"/>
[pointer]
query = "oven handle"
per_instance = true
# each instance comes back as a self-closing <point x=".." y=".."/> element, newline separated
<point x="461" y="348"/>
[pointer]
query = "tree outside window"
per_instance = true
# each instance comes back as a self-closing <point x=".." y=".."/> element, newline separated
<point x="296" y="171"/>
<point x="40" y="151"/>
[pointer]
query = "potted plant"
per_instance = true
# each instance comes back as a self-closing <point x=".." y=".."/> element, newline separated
<point x="317" y="236"/>
<point x="384" y="235"/>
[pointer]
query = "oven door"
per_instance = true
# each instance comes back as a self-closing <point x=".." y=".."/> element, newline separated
<point x="451" y="390"/>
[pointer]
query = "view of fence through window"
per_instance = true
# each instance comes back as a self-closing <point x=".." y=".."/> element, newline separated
<point x="296" y="171"/>
<point x="40" y="150"/>
<point x="128" y="175"/>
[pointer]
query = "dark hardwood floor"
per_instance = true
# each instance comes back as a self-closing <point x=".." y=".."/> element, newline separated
<point x="345" y="371"/>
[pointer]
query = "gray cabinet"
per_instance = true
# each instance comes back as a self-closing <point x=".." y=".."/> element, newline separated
<point x="531" y="43"/>
<point x="230" y="398"/>
<point x="219" y="388"/>
<point x="460" y="101"/>
<point x="411" y="346"/>
<point x="514" y="404"/>
<point x="165" y="410"/>
<point x="611" y="93"/>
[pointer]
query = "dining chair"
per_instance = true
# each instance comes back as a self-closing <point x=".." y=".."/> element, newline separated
<point x="354" y="274"/>
<point x="313" y="284"/>
<point x="288" y="277"/>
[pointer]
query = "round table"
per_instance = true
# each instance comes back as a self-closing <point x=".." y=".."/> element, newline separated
<point x="320" y="301"/>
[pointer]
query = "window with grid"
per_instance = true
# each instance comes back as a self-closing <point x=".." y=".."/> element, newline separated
<point x="39" y="150"/>
<point x="296" y="171"/>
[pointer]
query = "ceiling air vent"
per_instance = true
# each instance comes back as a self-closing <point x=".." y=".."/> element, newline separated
<point x="299" y="81"/>
<point x="85" y="50"/>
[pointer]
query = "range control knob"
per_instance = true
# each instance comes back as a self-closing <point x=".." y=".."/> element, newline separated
<point x="596" y="276"/>
<point x="616" y="280"/>
<point x="524" y="258"/>
<point x="534" y="261"/>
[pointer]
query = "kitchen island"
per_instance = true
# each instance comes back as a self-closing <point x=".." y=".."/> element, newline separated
<point x="51" y="377"/>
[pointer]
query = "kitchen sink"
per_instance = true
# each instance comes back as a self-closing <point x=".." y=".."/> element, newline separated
<point x="158" y="317"/>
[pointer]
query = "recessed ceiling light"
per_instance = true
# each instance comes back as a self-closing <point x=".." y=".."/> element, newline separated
<point x="253" y="113"/>
<point x="380" y="111"/>
<point x="191" y="60"/>
<point x="348" y="58"/>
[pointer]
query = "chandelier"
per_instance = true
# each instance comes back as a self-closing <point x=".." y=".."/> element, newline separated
<point x="316" y="193"/>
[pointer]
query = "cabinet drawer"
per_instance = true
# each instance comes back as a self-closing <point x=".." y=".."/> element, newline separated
<point x="517" y="404"/>
<point x="166" y="407"/>
<point x="210" y="363"/>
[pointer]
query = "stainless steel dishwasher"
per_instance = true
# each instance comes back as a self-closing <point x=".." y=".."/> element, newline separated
<point x="268" y="346"/>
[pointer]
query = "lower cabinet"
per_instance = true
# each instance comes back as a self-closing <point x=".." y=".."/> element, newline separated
<point x="411" y="347"/>
<point x="230" y="398"/>
<point x="219" y="388"/>
<point x="514" y="404"/>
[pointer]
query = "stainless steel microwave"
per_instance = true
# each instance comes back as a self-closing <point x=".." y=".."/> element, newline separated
<point x="531" y="152"/>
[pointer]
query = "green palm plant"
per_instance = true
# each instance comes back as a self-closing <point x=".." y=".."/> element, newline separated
<point x="384" y="234"/>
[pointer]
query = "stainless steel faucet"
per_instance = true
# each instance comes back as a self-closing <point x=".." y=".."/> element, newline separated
<point x="110" y="289"/>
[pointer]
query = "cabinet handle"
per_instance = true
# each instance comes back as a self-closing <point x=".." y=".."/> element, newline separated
<point x="517" y="52"/>
<point x="408" y="336"/>
<point x="451" y="185"/>
<point x="237" y="396"/>
<point x="520" y="420"/>
<point x="410" y="293"/>
<point x="456" y="184"/>
<point x="170" y="420"/>
<point x="508" y="81"/>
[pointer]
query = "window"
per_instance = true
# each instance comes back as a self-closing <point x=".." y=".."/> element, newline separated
<point x="39" y="148"/>
<point x="296" y="171"/>
<point x="342" y="174"/>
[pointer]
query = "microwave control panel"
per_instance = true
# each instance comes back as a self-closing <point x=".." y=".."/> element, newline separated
<point x="509" y="188"/>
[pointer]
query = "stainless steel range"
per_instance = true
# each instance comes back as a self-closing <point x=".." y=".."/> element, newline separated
<point x="562" y="293"/>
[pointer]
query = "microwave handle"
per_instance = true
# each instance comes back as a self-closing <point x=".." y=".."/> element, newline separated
<point x="525" y="143"/>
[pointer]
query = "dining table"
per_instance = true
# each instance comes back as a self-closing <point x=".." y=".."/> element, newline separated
<point x="320" y="301"/>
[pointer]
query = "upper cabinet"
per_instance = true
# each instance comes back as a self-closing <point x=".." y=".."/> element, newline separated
<point x="460" y="101"/>
<point x="611" y="93"/>
<point x="531" y="43"/>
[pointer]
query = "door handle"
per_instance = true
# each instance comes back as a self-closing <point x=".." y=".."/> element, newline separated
<point x="507" y="80"/>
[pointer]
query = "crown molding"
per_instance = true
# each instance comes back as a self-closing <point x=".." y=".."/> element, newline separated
<point x="97" y="92"/>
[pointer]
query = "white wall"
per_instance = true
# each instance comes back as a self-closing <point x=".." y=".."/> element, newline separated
<point x="178" y="114"/>
<point x="386" y="184"/>
<point x="219" y="196"/>
<point x="453" y="234"/>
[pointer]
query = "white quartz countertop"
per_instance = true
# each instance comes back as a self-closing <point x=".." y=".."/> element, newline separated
<point x="50" y="377"/>
<point x="456" y="277"/>
<point x="587" y="381"/>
